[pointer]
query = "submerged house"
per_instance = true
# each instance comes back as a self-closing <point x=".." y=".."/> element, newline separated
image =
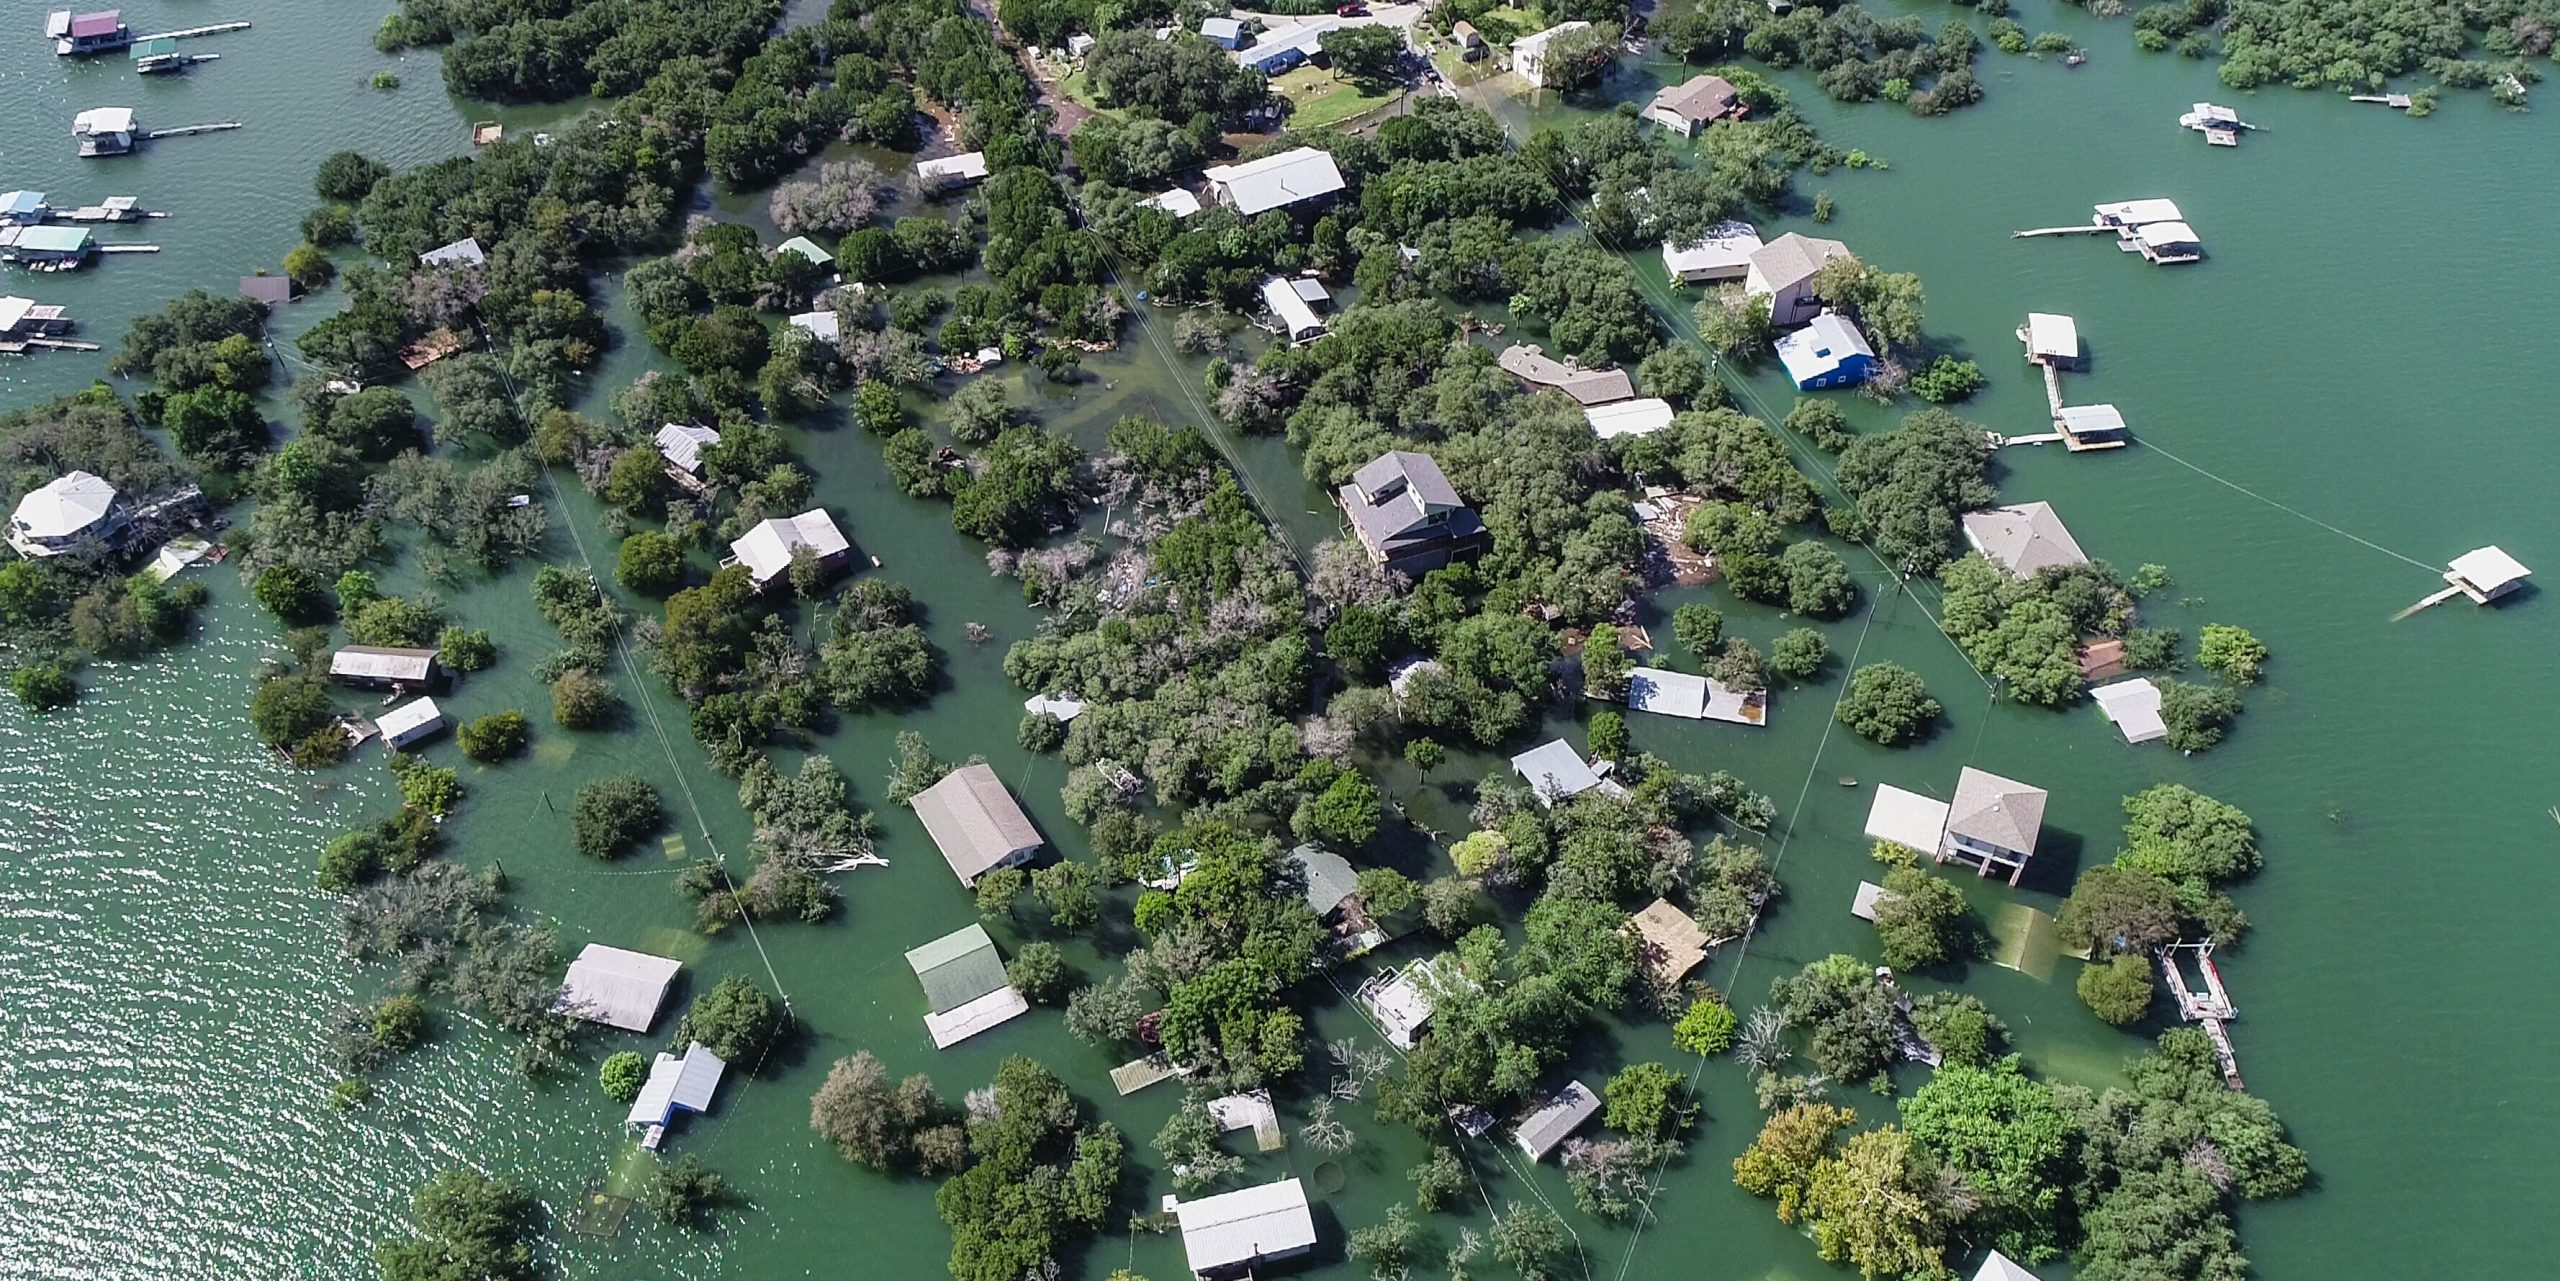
<point x="1992" y="823"/>
<point x="615" y="986"/>
<point x="1724" y="253"/>
<point x="1783" y="269"/>
<point x="806" y="248"/>
<point x="976" y="823"/>
<point x="69" y="513"/>
<point x="768" y="549"/>
<point x="1588" y="387"/>
<point x="962" y="170"/>
<point x="1292" y="303"/>
<point x="1669" y="942"/>
<point x="1640" y="417"/>
<point x="411" y="722"/>
<point x="2134" y="706"/>
<point x="1284" y="180"/>
<point x="1408" y="516"/>
<point x="2486" y="573"/>
<point x="681" y="445"/>
<point x="1179" y="202"/>
<point x="1556" y="773"/>
<point x="1234" y="1233"/>
<point x="105" y="131"/>
<point x="1397" y="1000"/>
<point x="1529" y="53"/>
<point x="383" y="667"/>
<point x="1694" y="697"/>
<point x="1695" y="103"/>
<point x="965" y="988"/>
<point x="675" y="1085"/>
<point x="1830" y="352"/>
<point x="1568" y="1110"/>
<point x="2022" y="539"/>
<point x="465" y="252"/>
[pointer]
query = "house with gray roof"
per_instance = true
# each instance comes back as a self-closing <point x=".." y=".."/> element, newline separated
<point x="965" y="988"/>
<point x="1783" y="269"/>
<point x="1234" y="1233"/>
<point x="976" y="823"/>
<point x="1568" y="1110"/>
<point x="675" y="1085"/>
<point x="1695" y="103"/>
<point x="1405" y="512"/>
<point x="461" y="253"/>
<point x="383" y="667"/>
<point x="1992" y="823"/>
<point x="1587" y="386"/>
<point x="615" y="986"/>
<point x="2022" y="539"/>
<point x="1556" y="773"/>
<point x="1285" y="180"/>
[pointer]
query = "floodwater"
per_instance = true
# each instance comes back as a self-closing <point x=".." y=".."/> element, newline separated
<point x="2346" y="382"/>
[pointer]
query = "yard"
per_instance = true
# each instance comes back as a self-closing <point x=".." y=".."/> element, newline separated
<point x="1318" y="100"/>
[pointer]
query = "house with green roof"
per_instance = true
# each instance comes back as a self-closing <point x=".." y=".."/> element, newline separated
<point x="965" y="989"/>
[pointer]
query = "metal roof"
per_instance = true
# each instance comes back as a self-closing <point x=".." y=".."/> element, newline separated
<point x="674" y="1084"/>
<point x="968" y="166"/>
<point x="2134" y="705"/>
<point x="1996" y="811"/>
<point x="2484" y="567"/>
<point x="1629" y="417"/>
<point x="2052" y="335"/>
<point x="1398" y="1002"/>
<point x="70" y="503"/>
<point x="22" y="202"/>
<point x="822" y="325"/>
<point x="1999" y="1268"/>
<point x="681" y="443"/>
<point x="1179" y="202"/>
<point x="1907" y="819"/>
<point x="1821" y="346"/>
<point x="383" y="663"/>
<point x="1290" y="309"/>
<point x="2134" y="213"/>
<point x="1239" y="1227"/>
<point x="2092" y="420"/>
<point x="616" y="987"/>
<point x="806" y="248"/>
<point x="1221" y="28"/>
<point x="409" y="722"/>
<point x="2159" y="234"/>
<point x="767" y="549"/>
<point x="465" y="251"/>
<point x="2024" y="538"/>
<point x="97" y="120"/>
<point x="1569" y="1110"/>
<point x="1276" y="181"/>
<point x="975" y="822"/>
<point x="957" y="968"/>
<point x="1555" y="771"/>
<point x="55" y="240"/>
<point x="1724" y="251"/>
<point x="272" y="290"/>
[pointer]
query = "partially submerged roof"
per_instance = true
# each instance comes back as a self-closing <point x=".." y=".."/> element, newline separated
<point x="681" y="444"/>
<point x="1996" y="811"/>
<point x="2486" y="568"/>
<point x="1233" y="1229"/>
<point x="1179" y="202"/>
<point x="417" y="716"/>
<point x="1586" y="386"/>
<point x="674" y="1084"/>
<point x="1686" y="694"/>
<point x="75" y="500"/>
<point x="1869" y="897"/>
<point x="767" y="549"/>
<point x="806" y="248"/>
<point x="1568" y="1110"/>
<point x="2052" y="335"/>
<point x="966" y="167"/>
<point x="2135" y="213"/>
<point x="1698" y="98"/>
<point x="1673" y="944"/>
<point x="822" y="325"/>
<point x="2023" y="538"/>
<point x="1329" y="876"/>
<point x="616" y="987"/>
<point x="1724" y="251"/>
<point x="463" y="252"/>
<point x="975" y="822"/>
<point x="1399" y="1002"/>
<point x="2091" y="420"/>
<point x="383" y="663"/>
<point x="1289" y="307"/>
<point x="275" y="291"/>
<point x="957" y="968"/>
<point x="1907" y="819"/>
<point x="1555" y="771"/>
<point x="2134" y="705"/>
<point x="1275" y="181"/>
<point x="97" y="120"/>
<point x="1793" y="258"/>
<point x="1641" y="417"/>
<point x="1999" y="1268"/>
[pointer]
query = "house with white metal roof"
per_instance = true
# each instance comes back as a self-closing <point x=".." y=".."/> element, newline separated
<point x="675" y="1085"/>
<point x="1568" y="1110"/>
<point x="768" y="549"/>
<point x="461" y="253"/>
<point x="1234" y="1233"/>
<point x="1724" y="253"/>
<point x="2134" y="706"/>
<point x="681" y="444"/>
<point x="2023" y="538"/>
<point x="975" y="822"/>
<point x="965" y="988"/>
<point x="411" y="722"/>
<point x="1908" y="819"/>
<point x="1179" y="202"/>
<point x="615" y="986"/>
<point x="2486" y="573"/>
<point x="1224" y="32"/>
<point x="1999" y="1267"/>
<point x="1640" y="417"/>
<point x="383" y="667"/>
<point x="1280" y="181"/>
<point x="1993" y="822"/>
<point x="1830" y="352"/>
<point x="952" y="171"/>
<point x="1694" y="697"/>
<point x="825" y="326"/>
<point x="1784" y="268"/>
<point x="1555" y="772"/>
<point x="2051" y="339"/>
<point x="1291" y="310"/>
<point x="69" y="512"/>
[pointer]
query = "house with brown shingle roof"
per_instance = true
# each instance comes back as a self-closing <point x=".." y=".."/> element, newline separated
<point x="1695" y="103"/>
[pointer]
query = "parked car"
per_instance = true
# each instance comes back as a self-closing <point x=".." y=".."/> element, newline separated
<point x="1355" y="9"/>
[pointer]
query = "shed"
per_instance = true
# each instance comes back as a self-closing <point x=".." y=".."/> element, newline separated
<point x="1297" y="321"/>
<point x="2023" y="538"/>
<point x="1870" y="896"/>
<point x="1999" y="1267"/>
<point x="2485" y="573"/>
<point x="964" y="168"/>
<point x="2052" y="339"/>
<point x="1829" y="352"/>
<point x="768" y="549"/>
<point x="1275" y="181"/>
<point x="410" y="722"/>
<point x="274" y="291"/>
<point x="1226" y="33"/>
<point x="1179" y="202"/>
<point x="1469" y="40"/>
<point x="1641" y="417"/>
<point x="1587" y="386"/>
<point x="1670" y="942"/>
<point x="2089" y="426"/>
<point x="1330" y="880"/>
<point x="975" y="822"/>
<point x="675" y="1085"/>
<point x="1232" y="1233"/>
<point x="1556" y="772"/>
<point x="681" y="445"/>
<point x="382" y="667"/>
<point x="1568" y="1110"/>
<point x="616" y="987"/>
<point x="1907" y="819"/>
<point x="2134" y="706"/>
<point x="72" y="509"/>
<point x="965" y="988"/>
<point x="806" y="248"/>
<point x="821" y="325"/>
<point x="1722" y="254"/>
<point x="1993" y="822"/>
<point x="461" y="253"/>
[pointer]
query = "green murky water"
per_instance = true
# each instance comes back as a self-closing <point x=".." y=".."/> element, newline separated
<point x="2364" y="346"/>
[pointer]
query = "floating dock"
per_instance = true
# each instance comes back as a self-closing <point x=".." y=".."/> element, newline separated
<point x="2152" y="228"/>
<point x="183" y="130"/>
<point x="2484" y="574"/>
<point x="2209" y="1004"/>
<point x="2395" y="101"/>
<point x="2221" y="126"/>
<point x="2053" y="342"/>
<point x="189" y="33"/>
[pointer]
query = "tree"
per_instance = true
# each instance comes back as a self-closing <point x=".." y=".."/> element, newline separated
<point x="1888" y="703"/>
<point x="1648" y="1100"/>
<point x="684" y="1192"/>
<point x="1385" y="1247"/>
<point x="1818" y="585"/>
<point x="471" y="1227"/>
<point x="309" y="268"/>
<point x="1793" y="1142"/>
<point x="1039" y="972"/>
<point x="997" y="889"/>
<point x="1039" y="1181"/>
<point x="1947" y="380"/>
<point x="1438" y="1181"/>
<point x="1922" y="920"/>
<point x="1799" y="654"/>
<point x="214" y="424"/>
<point x="874" y="1123"/>
<point x="1699" y="629"/>
<point x="622" y="1074"/>
<point x="2180" y="834"/>
<point x="347" y="177"/>
<point x="288" y="708"/>
<point x="1365" y="55"/>
<point x="582" y="700"/>
<point x="499" y="736"/>
<point x="461" y="649"/>
<point x="980" y="412"/>
<point x="2197" y="716"/>
<point x="1530" y="1239"/>
<point x="1581" y="56"/>
<point x="1346" y="813"/>
<point x="43" y="687"/>
<point x="735" y="1020"/>
<point x="1070" y="891"/>
<point x="844" y="196"/>
<point x="2118" y="989"/>
<point x="399" y="1024"/>
<point x="1605" y="664"/>
<point x="1607" y="737"/>
<point x="650" y="563"/>
<point x="1707" y="1028"/>
<point x="613" y="814"/>
<point x="2119" y="909"/>
<point x="1870" y="1207"/>
<point x="2011" y="1142"/>
<point x="2231" y="651"/>
<point x="1425" y="754"/>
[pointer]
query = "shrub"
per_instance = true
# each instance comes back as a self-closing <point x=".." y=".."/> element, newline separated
<point x="43" y="687"/>
<point x="1888" y="703"/>
<point x="735" y="1020"/>
<point x="1799" y="654"/>
<point x="622" y="1075"/>
<point x="2118" y="989"/>
<point x="1707" y="1028"/>
<point x="1947" y="380"/>
<point x="581" y="700"/>
<point x="650" y="563"/>
<point x="614" y="814"/>
<point x="499" y="736"/>
<point x="463" y="650"/>
<point x="400" y="1024"/>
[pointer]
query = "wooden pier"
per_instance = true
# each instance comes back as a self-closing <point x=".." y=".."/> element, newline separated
<point x="2395" y="101"/>
<point x="128" y="249"/>
<point x="2209" y="1005"/>
<point x="2092" y="229"/>
<point x="186" y="33"/>
<point x="183" y="130"/>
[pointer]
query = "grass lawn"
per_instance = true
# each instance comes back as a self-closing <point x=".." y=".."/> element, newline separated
<point x="1320" y="100"/>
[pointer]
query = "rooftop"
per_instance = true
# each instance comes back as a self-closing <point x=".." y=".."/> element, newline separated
<point x="1641" y="417"/>
<point x="1725" y="250"/>
<point x="101" y="120"/>
<point x="1275" y="181"/>
<point x="616" y="987"/>
<point x="1179" y="202"/>
<point x="2134" y="706"/>
<point x="974" y="821"/>
<point x="2052" y="335"/>
<point x="383" y="662"/>
<point x="2134" y="213"/>
<point x="2091" y="420"/>
<point x="806" y="248"/>
<point x="674" y="1085"/>
<point x="271" y="290"/>
<point x="1556" y="772"/>
<point x="2024" y="538"/>
<point x="463" y="252"/>
<point x="967" y="167"/>
<point x="2160" y="235"/>
<point x="1793" y="258"/>
<point x="1568" y="1110"/>
<point x="72" y="502"/>
<point x="1538" y="43"/>
<point x="53" y="240"/>
<point x="1673" y="943"/>
<point x="1289" y="307"/>
<point x="1221" y="28"/>
<point x="1329" y="876"/>
<point x="767" y="549"/>
<point x="1668" y="693"/>
<point x="957" y="968"/>
<point x="1827" y="343"/>
<point x="681" y="444"/>
<point x="1586" y="386"/>
<point x="1999" y="1268"/>
<point x="410" y="717"/>
<point x="1236" y="1228"/>
<point x="821" y="325"/>
<point x="1996" y="811"/>
<point x="1907" y="819"/>
<point x="1398" y="1001"/>
<point x="1699" y="98"/>
<point x="2486" y="568"/>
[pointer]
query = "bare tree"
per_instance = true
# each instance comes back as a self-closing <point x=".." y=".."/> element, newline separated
<point x="1326" y="1132"/>
<point x="844" y="196"/>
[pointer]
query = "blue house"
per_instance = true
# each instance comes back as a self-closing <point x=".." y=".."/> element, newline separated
<point x="22" y="207"/>
<point x="1830" y="352"/>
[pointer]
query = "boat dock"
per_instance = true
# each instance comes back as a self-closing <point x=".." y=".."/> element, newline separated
<point x="2395" y="101"/>
<point x="128" y="249"/>
<point x="113" y="209"/>
<point x="2208" y="1004"/>
<point x="188" y="33"/>
<point x="2153" y="228"/>
<point x="2053" y="342"/>
<point x="2092" y="229"/>
<point x="2484" y="574"/>
<point x="2221" y="126"/>
<point x="183" y="130"/>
